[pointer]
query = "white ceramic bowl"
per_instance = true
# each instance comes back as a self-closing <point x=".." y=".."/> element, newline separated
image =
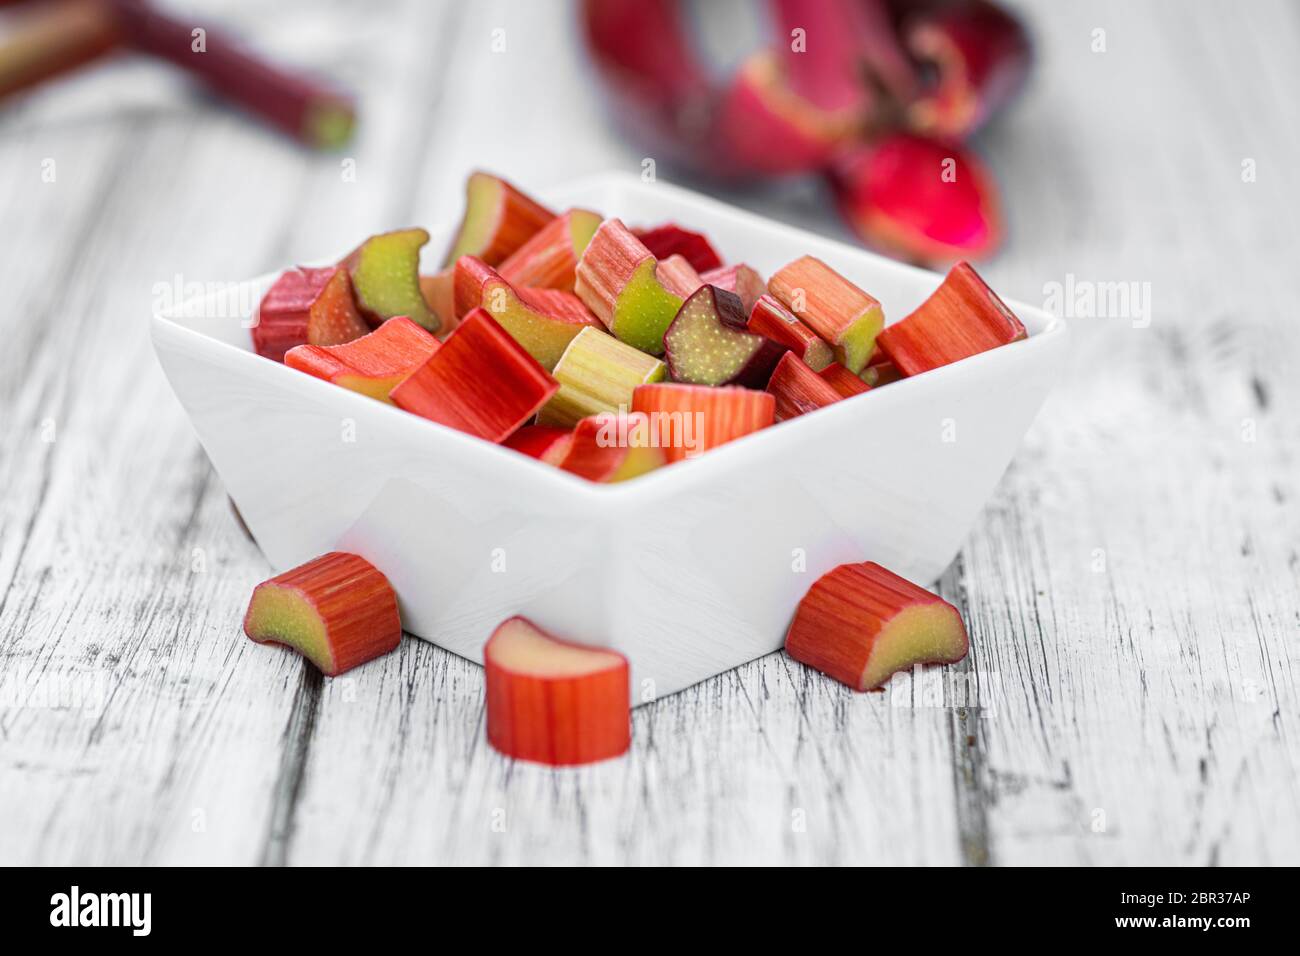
<point x="690" y="570"/>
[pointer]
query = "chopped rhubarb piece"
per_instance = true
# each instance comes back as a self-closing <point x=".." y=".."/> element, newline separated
<point x="543" y="442"/>
<point x="671" y="239"/>
<point x="843" y="381"/>
<point x="740" y="279"/>
<point x="861" y="624"/>
<point x="45" y="40"/>
<point x="498" y="220"/>
<point x="831" y="306"/>
<point x="333" y="318"/>
<point x="919" y="199"/>
<point x="440" y="296"/>
<point x="770" y="319"/>
<point x="612" y="446"/>
<point x="688" y="420"/>
<point x="798" y="390"/>
<point x="597" y="373"/>
<point x="480" y="381"/>
<point x="552" y="701"/>
<point x="385" y="272"/>
<point x="372" y="364"/>
<point x="961" y="318"/>
<point x="543" y="321"/>
<point x="285" y="311"/>
<point x="707" y="343"/>
<point x="880" y="371"/>
<point x="978" y="56"/>
<point x="337" y="611"/>
<point x="678" y="276"/>
<point x="617" y="279"/>
<point x="549" y="258"/>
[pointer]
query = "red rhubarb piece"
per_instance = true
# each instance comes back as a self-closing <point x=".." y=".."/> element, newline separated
<point x="283" y="315"/>
<point x="553" y="701"/>
<point x="797" y="389"/>
<point x="612" y="446"/>
<point x="671" y="239"/>
<point x="832" y="306"/>
<point x="843" y="381"/>
<point x="770" y="319"/>
<point x="546" y="443"/>
<point x="338" y="611"/>
<point x="481" y="381"/>
<point x="961" y="318"/>
<point x="498" y="220"/>
<point x="372" y="364"/>
<point x="549" y="258"/>
<point x="861" y="624"/>
<point x="688" y="420"/>
<point x="740" y="279"/>
<point x="333" y="318"/>
<point x="918" y="199"/>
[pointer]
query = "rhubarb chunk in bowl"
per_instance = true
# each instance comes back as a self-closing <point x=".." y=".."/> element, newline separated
<point x="688" y="570"/>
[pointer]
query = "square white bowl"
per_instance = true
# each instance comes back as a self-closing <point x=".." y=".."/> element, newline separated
<point x="690" y="570"/>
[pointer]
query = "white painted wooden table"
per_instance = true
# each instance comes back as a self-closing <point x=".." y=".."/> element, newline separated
<point x="1131" y="589"/>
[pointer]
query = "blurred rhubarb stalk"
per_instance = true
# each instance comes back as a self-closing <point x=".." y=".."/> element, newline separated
<point x="878" y="96"/>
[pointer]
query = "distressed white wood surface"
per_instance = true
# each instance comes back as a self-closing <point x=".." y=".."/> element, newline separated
<point x="1131" y="589"/>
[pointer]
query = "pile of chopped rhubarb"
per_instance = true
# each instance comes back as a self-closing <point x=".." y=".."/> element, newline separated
<point x="607" y="352"/>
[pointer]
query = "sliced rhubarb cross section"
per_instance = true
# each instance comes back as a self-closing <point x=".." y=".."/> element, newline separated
<point x="385" y="272"/>
<point x="770" y="319"/>
<point x="333" y="318"/>
<point x="688" y="420"/>
<point x="861" y="624"/>
<point x="552" y="701"/>
<point x="833" y="307"/>
<point x="618" y="281"/>
<point x="548" y="260"/>
<point x="612" y="446"/>
<point x="544" y="442"/>
<point x="843" y="381"/>
<point x="543" y="321"/>
<point x="480" y="381"/>
<point x="707" y="343"/>
<point x="597" y="373"/>
<point x="740" y="279"/>
<point x="337" y="611"/>
<point x="372" y="364"/>
<point x="285" y="311"/>
<point x="797" y="389"/>
<point x="498" y="220"/>
<point x="961" y="318"/>
<point x="671" y="239"/>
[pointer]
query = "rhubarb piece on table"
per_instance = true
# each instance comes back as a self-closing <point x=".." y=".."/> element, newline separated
<point x="440" y="296"/>
<point x="338" y="611"/>
<point x="498" y="220"/>
<point x="671" y="239"/>
<point x="861" y="624"/>
<point x="831" y="306"/>
<point x="549" y="258"/>
<point x="961" y="318"/>
<point x="543" y="321"/>
<point x="333" y="318"/>
<point x="977" y="56"/>
<point x="546" y="443"/>
<point x="688" y="420"/>
<point x="552" y="701"/>
<point x="612" y="446"/>
<point x="372" y="364"/>
<point x="843" y="381"/>
<point x="919" y="199"/>
<point x="678" y="276"/>
<point x="385" y="272"/>
<point x="617" y="279"/>
<point x="797" y="389"/>
<point x="597" y="373"/>
<point x="770" y="319"/>
<point x="740" y="279"/>
<point x="707" y="343"/>
<point x="479" y="381"/>
<point x="285" y="311"/>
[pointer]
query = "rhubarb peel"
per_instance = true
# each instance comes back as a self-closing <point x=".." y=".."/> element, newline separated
<point x="338" y="611"/>
<point x="554" y="702"/>
<point x="861" y="623"/>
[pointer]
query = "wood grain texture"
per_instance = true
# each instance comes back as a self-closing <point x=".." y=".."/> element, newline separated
<point x="1131" y="589"/>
